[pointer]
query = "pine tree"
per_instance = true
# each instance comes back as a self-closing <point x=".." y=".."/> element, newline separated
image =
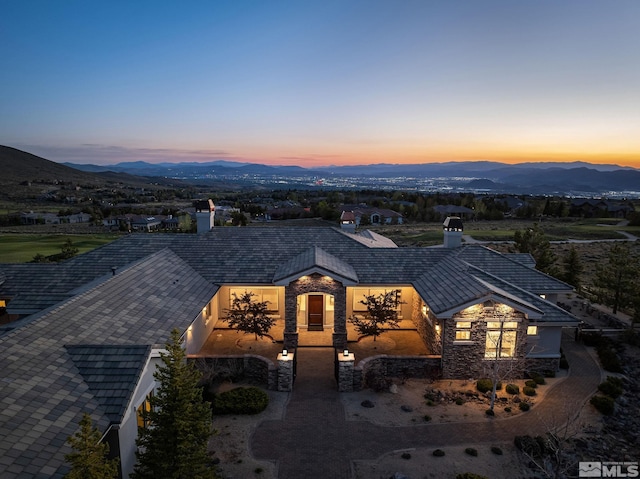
<point x="89" y="457"/>
<point x="175" y="444"/>
<point x="572" y="268"/>
<point x="381" y="312"/>
<point x="617" y="280"/>
<point x="535" y="241"/>
<point x="249" y="316"/>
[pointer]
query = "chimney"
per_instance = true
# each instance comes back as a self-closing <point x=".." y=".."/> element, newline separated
<point x="205" y="213"/>
<point x="452" y="228"/>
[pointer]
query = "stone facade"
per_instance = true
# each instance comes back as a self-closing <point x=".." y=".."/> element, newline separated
<point x="315" y="283"/>
<point x="463" y="359"/>
<point x="426" y="326"/>
<point x="254" y="368"/>
<point x="542" y="364"/>
<point x="286" y="372"/>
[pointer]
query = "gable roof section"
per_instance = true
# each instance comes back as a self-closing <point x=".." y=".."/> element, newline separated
<point x="43" y="394"/>
<point x="111" y="372"/>
<point x="315" y="260"/>
<point x="511" y="270"/>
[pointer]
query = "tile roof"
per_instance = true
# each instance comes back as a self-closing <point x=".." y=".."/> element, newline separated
<point x="315" y="257"/>
<point x="44" y="394"/>
<point x="111" y="372"/>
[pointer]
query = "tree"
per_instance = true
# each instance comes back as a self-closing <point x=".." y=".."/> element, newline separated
<point x="89" y="456"/>
<point x="381" y="313"/>
<point x="174" y="446"/>
<point x="572" y="268"/>
<point x="499" y="366"/>
<point x="68" y="250"/>
<point x="616" y="280"/>
<point x="248" y="315"/>
<point x="535" y="242"/>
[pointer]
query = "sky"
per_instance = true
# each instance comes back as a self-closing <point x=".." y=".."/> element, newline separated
<point x="317" y="83"/>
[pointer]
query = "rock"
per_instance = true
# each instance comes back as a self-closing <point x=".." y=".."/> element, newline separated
<point x="366" y="403"/>
<point x="393" y="389"/>
<point x="406" y="408"/>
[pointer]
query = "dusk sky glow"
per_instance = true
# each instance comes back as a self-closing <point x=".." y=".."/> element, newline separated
<point x="323" y="82"/>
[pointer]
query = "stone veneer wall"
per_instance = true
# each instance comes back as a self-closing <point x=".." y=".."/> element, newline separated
<point x="401" y="367"/>
<point x="542" y="364"/>
<point x="255" y="368"/>
<point x="315" y="283"/>
<point x="463" y="360"/>
<point x="425" y="328"/>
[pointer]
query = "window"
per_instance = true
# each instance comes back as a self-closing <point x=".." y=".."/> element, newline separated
<point x="532" y="330"/>
<point x="360" y="293"/>
<point x="463" y="330"/>
<point x="270" y="295"/>
<point x="143" y="422"/>
<point x="501" y="341"/>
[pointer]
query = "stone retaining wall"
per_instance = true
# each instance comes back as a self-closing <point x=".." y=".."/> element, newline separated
<point x="401" y="367"/>
<point x="251" y="367"/>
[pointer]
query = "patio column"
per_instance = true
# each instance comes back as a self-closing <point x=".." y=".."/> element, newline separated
<point x="290" y="317"/>
<point x="340" y="317"/>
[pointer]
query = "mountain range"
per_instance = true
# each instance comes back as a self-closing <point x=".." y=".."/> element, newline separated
<point x="546" y="178"/>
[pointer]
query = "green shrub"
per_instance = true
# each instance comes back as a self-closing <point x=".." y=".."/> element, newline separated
<point x="427" y="418"/>
<point x="459" y="401"/>
<point x="539" y="380"/>
<point x="604" y="404"/>
<point x="484" y="385"/>
<point x="242" y="400"/>
<point x="608" y="357"/>
<point x="524" y="406"/>
<point x="528" y="445"/>
<point x="529" y="391"/>
<point x="471" y="451"/>
<point x="406" y="455"/>
<point x="490" y="412"/>
<point x="496" y="450"/>
<point x="530" y="383"/>
<point x="470" y="475"/>
<point x="507" y="409"/>
<point x="512" y="389"/>
<point x="549" y="373"/>
<point x="564" y="364"/>
<point x="612" y="387"/>
<point x="438" y="453"/>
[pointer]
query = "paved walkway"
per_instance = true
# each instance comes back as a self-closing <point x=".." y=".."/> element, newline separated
<point x="315" y="441"/>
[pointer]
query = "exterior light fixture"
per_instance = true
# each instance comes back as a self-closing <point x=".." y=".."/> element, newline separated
<point x="190" y="328"/>
<point x="437" y="328"/>
<point x="285" y="353"/>
<point x="345" y="353"/>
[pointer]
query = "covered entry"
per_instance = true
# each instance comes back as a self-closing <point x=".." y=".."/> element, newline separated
<point x="315" y="315"/>
<point x="315" y="311"/>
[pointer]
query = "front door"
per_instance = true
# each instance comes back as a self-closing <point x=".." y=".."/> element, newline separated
<point x="316" y="312"/>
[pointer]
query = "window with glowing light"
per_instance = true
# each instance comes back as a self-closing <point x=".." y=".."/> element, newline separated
<point x="501" y="340"/>
<point x="145" y="406"/>
<point x="463" y="330"/>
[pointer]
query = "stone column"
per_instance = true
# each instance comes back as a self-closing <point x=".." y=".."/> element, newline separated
<point x="339" y="316"/>
<point x="290" y="335"/>
<point x="285" y="371"/>
<point x="346" y="365"/>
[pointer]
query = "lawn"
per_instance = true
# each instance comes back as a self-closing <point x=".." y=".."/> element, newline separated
<point x="21" y="248"/>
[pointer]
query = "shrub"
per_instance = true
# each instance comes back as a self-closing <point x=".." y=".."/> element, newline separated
<point x="549" y="373"/>
<point x="529" y="391"/>
<point x="427" y="418"/>
<point x="507" y="409"/>
<point x="496" y="450"/>
<point x="524" y="406"/>
<point x="484" y="385"/>
<point x="604" y="404"/>
<point x="406" y="455"/>
<point x="471" y="451"/>
<point x="528" y="445"/>
<point x="470" y="475"/>
<point x="539" y="379"/>
<point x="490" y="412"/>
<point x="564" y="364"/>
<point x="530" y="383"/>
<point x="612" y="387"/>
<point x="242" y="400"/>
<point x="608" y="356"/>
<point x="459" y="401"/>
<point x="512" y="389"/>
<point x="438" y="453"/>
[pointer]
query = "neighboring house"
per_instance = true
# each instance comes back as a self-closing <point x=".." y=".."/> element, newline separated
<point x="375" y="216"/>
<point x="596" y="208"/>
<point x="32" y="218"/>
<point x="90" y="328"/>
<point x="453" y="210"/>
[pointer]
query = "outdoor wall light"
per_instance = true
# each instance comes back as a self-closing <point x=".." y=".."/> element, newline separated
<point x="285" y="353"/>
<point x="437" y="328"/>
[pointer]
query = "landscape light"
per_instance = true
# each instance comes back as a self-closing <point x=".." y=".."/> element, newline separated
<point x="285" y="353"/>
<point x="345" y="353"/>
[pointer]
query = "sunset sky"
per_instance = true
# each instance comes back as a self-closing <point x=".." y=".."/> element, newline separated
<point x="316" y="83"/>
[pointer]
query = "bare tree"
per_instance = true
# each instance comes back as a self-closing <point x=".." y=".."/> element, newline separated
<point x="382" y="313"/>
<point x="248" y="315"/>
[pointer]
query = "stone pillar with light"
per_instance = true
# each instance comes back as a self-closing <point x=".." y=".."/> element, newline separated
<point x="346" y="364"/>
<point x="285" y="370"/>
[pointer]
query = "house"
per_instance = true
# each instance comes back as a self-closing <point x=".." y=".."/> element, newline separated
<point x="90" y="330"/>
<point x="453" y="210"/>
<point x="371" y="215"/>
